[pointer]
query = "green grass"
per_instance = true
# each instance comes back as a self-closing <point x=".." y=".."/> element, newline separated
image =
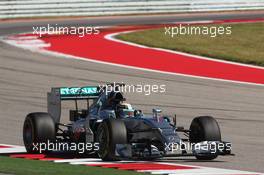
<point x="35" y="167"/>
<point x="245" y="44"/>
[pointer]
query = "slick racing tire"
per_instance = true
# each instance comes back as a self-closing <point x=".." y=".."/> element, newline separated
<point x="38" y="128"/>
<point x="109" y="133"/>
<point x="204" y="128"/>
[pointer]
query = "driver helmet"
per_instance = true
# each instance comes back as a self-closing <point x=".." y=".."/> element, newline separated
<point x="126" y="110"/>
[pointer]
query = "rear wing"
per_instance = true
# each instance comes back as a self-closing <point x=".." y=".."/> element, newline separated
<point x="59" y="94"/>
<point x="73" y="93"/>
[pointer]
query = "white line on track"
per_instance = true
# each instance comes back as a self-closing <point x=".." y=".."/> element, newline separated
<point x="92" y="163"/>
<point x="198" y="170"/>
<point x="12" y="149"/>
<point x="77" y="160"/>
<point x="112" y="36"/>
<point x="39" y="47"/>
<point x="102" y="162"/>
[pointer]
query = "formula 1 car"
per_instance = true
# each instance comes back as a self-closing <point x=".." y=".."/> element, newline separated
<point x="119" y="131"/>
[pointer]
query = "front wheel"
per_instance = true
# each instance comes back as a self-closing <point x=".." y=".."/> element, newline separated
<point x="204" y="128"/>
<point x="109" y="133"/>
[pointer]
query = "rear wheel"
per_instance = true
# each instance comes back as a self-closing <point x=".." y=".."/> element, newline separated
<point x="204" y="128"/>
<point x="38" y="128"/>
<point x="109" y="133"/>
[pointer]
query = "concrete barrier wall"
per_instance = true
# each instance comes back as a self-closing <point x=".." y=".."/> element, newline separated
<point x="44" y="8"/>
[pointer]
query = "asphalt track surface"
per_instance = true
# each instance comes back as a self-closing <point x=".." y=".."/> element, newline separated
<point x="25" y="77"/>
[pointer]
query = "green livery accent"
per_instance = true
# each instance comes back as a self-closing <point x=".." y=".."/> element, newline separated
<point x="79" y="91"/>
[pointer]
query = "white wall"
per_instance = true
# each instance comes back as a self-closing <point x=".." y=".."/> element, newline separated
<point x="43" y="8"/>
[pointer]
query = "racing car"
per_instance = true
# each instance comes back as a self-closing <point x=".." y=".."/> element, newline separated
<point x="119" y="130"/>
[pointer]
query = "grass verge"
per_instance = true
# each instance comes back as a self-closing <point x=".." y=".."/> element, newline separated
<point x="245" y="44"/>
<point x="35" y="167"/>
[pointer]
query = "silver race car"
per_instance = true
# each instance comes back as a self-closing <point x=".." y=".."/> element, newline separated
<point x="115" y="130"/>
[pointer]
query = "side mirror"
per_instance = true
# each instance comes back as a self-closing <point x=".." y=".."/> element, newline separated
<point x="167" y="119"/>
<point x="137" y="113"/>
